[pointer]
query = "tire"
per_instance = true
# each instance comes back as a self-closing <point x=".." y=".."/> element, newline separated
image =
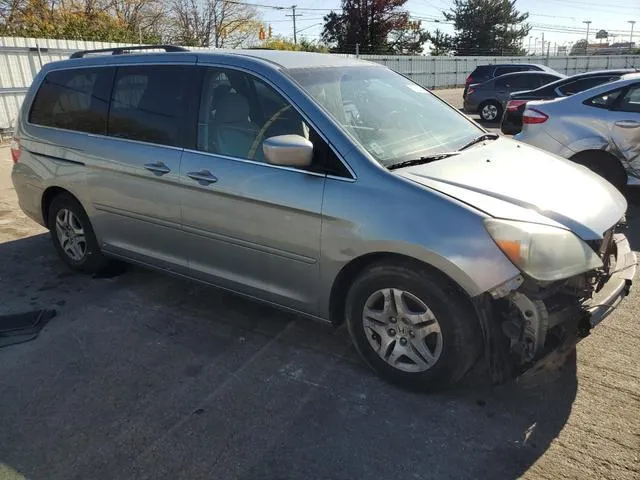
<point x="605" y="165"/>
<point x="73" y="235"/>
<point x="490" y="111"/>
<point x="455" y="339"/>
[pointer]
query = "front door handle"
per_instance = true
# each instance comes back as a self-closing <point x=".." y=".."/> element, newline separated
<point x="203" y="177"/>
<point x="627" y="124"/>
<point x="158" y="168"/>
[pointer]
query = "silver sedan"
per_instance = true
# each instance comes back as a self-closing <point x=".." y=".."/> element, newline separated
<point x="598" y="128"/>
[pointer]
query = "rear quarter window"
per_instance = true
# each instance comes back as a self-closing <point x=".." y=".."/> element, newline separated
<point x="482" y="71"/>
<point x="75" y="99"/>
<point x="584" y="84"/>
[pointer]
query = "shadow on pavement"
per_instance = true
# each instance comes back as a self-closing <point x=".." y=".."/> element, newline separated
<point x="146" y="376"/>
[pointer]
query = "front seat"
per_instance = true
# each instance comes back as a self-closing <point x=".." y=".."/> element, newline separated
<point x="234" y="131"/>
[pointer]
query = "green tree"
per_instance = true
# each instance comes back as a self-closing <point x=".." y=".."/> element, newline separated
<point x="441" y="43"/>
<point x="376" y="26"/>
<point x="484" y="27"/>
<point x="579" y="48"/>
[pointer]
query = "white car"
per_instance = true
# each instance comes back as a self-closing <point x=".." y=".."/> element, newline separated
<point x="598" y="128"/>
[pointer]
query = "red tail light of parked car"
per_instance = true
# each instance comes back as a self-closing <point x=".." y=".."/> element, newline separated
<point x="513" y="105"/>
<point x="532" y="116"/>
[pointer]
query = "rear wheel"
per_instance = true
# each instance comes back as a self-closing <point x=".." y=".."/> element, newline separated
<point x="490" y="111"/>
<point x="605" y="165"/>
<point x="73" y="235"/>
<point x="411" y="326"/>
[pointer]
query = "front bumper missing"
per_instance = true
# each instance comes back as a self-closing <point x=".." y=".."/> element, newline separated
<point x="618" y="285"/>
<point x="563" y="324"/>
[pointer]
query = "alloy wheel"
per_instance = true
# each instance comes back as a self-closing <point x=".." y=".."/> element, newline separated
<point x="489" y="112"/>
<point x="402" y="330"/>
<point x="70" y="233"/>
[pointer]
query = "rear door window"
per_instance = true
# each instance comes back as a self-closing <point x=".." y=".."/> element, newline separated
<point x="545" y="79"/>
<point x="631" y="100"/>
<point x="76" y="99"/>
<point x="149" y="104"/>
<point x="517" y="82"/>
<point x="483" y="71"/>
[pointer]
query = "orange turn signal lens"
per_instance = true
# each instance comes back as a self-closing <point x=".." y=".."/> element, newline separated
<point x="511" y="249"/>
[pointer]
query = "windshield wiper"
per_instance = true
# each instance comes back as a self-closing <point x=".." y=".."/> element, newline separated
<point x="481" y="138"/>
<point x="422" y="160"/>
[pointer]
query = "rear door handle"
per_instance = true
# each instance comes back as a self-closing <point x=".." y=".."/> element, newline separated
<point x="203" y="177"/>
<point x="158" y="168"/>
<point x="627" y="124"/>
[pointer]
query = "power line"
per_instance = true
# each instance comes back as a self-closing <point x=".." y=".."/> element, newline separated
<point x="278" y="7"/>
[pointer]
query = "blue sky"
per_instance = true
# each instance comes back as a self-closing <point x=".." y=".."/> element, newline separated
<point x="548" y="16"/>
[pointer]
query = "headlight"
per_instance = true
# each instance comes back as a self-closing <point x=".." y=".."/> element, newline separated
<point x="543" y="252"/>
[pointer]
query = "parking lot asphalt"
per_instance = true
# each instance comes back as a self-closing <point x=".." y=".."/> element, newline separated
<point x="146" y="376"/>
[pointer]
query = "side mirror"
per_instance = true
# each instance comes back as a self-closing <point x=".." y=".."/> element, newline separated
<point x="288" y="150"/>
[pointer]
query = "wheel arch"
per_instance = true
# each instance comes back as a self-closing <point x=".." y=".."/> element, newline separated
<point x="601" y="153"/>
<point x="350" y="271"/>
<point x="47" y="197"/>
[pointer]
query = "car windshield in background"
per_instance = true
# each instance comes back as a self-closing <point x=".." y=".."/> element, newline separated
<point x="394" y="119"/>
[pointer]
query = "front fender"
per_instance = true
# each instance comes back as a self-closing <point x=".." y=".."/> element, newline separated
<point x="361" y="219"/>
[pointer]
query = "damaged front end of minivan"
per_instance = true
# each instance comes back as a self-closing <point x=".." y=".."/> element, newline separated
<point x="524" y="319"/>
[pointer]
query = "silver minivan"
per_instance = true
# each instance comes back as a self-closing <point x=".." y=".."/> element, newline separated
<point x="328" y="186"/>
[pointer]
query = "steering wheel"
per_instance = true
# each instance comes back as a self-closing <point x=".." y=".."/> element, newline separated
<point x="261" y="133"/>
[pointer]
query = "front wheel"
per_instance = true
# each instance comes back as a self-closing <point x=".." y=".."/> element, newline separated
<point x="605" y="165"/>
<point x="412" y="327"/>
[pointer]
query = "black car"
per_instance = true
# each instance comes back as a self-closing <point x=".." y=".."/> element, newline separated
<point x="488" y="99"/>
<point x="515" y="106"/>
<point x="482" y="73"/>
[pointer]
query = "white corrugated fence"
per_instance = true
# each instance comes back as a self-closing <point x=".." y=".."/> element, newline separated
<point x="21" y="59"/>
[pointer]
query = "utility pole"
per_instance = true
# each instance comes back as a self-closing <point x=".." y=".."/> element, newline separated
<point x="529" y="48"/>
<point x="548" y="46"/>
<point x="632" y="22"/>
<point x="586" y="49"/>
<point x="293" y="16"/>
<point x="542" y="49"/>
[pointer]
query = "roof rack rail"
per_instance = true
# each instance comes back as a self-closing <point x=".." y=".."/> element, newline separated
<point x="124" y="50"/>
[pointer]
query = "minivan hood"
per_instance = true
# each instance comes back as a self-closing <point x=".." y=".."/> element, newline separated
<point x="511" y="180"/>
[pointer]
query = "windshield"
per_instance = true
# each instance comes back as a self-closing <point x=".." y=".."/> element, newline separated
<point x="393" y="118"/>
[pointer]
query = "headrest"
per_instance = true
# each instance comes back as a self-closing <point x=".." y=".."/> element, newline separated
<point x="232" y="108"/>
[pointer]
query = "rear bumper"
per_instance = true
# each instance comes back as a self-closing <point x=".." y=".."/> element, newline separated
<point x="469" y="106"/>
<point x="511" y="123"/>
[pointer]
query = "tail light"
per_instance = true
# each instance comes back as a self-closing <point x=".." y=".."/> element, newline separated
<point x="14" y="146"/>
<point x="512" y="105"/>
<point x="532" y="116"/>
<point x="469" y="80"/>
